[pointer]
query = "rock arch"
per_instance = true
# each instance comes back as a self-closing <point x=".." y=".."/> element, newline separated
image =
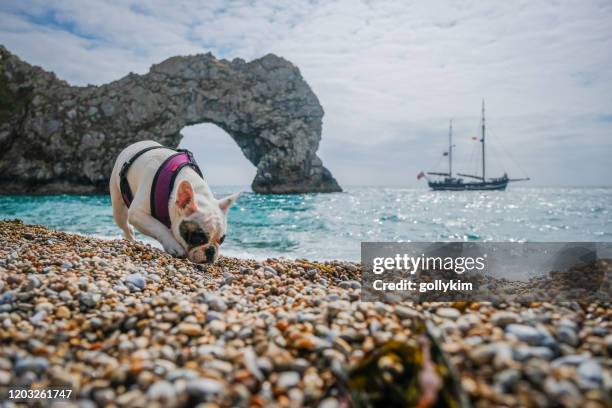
<point x="57" y="138"/>
<point x="217" y="152"/>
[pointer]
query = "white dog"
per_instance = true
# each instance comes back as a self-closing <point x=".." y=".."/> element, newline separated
<point x="162" y="193"/>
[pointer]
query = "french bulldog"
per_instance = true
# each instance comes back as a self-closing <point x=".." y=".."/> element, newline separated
<point x="198" y="220"/>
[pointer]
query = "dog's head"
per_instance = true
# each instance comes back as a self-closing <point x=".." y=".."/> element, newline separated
<point x="201" y="224"/>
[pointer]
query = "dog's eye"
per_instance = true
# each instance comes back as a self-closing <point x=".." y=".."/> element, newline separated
<point x="221" y="240"/>
<point x="193" y="234"/>
<point x="196" y="238"/>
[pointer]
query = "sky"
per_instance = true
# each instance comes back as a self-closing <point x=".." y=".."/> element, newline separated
<point x="389" y="75"/>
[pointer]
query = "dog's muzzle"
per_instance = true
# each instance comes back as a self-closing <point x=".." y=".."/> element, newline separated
<point x="202" y="254"/>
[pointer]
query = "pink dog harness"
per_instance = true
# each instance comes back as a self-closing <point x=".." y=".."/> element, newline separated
<point x="163" y="182"/>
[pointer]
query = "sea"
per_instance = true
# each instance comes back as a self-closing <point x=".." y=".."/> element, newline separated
<point x="332" y="226"/>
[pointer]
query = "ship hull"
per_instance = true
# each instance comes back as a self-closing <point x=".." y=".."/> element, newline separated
<point x="492" y="185"/>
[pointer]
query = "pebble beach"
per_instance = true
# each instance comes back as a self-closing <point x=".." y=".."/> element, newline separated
<point x="124" y="324"/>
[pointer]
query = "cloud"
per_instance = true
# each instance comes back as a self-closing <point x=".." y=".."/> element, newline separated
<point x="389" y="74"/>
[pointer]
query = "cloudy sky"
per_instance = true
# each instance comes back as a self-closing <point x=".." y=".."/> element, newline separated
<point x="389" y="74"/>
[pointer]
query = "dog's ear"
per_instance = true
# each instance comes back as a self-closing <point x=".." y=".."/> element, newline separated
<point x="185" y="198"/>
<point x="226" y="202"/>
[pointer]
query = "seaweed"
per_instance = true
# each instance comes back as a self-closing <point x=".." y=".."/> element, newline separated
<point x="414" y="373"/>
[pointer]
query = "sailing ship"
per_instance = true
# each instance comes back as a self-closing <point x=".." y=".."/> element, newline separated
<point x="480" y="182"/>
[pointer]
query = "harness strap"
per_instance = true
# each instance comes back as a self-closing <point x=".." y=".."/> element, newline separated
<point x="163" y="181"/>
<point x="124" y="185"/>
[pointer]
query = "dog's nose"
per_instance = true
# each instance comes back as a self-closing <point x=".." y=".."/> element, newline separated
<point x="210" y="254"/>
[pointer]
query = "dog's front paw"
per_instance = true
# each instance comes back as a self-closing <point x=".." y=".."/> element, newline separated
<point x="175" y="249"/>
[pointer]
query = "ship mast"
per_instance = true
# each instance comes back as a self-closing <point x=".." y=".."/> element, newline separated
<point x="483" y="140"/>
<point x="450" y="149"/>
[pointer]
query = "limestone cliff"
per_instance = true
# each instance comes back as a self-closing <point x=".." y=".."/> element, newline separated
<point x="58" y="138"/>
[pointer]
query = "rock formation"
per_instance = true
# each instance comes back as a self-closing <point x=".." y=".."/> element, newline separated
<point x="58" y="138"/>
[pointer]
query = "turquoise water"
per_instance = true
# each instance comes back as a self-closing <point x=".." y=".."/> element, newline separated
<point x="331" y="226"/>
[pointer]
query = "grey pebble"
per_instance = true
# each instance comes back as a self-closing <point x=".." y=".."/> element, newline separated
<point x="572" y="359"/>
<point x="211" y="350"/>
<point x="329" y="403"/>
<point x="36" y="364"/>
<point x="448" y="313"/>
<point x="250" y="362"/>
<point x="95" y="322"/>
<point x="288" y="379"/>
<point x="350" y="284"/>
<point x="202" y="387"/>
<point x="5" y="377"/>
<point x="162" y="391"/>
<point x="154" y="278"/>
<point x="528" y="334"/>
<point x="562" y="390"/>
<point x="89" y="299"/>
<point x="568" y="335"/>
<point x="507" y="379"/>
<point x="183" y="373"/>
<point x="8" y="297"/>
<point x="590" y="374"/>
<point x="523" y="353"/>
<point x="135" y="282"/>
<point x="213" y="315"/>
<point x="214" y="302"/>
<point x="33" y="283"/>
<point x="270" y="272"/>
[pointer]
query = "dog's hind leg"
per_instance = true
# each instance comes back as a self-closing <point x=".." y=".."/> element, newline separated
<point x="120" y="211"/>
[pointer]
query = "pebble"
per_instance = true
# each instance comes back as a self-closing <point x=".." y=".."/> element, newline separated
<point x="485" y="353"/>
<point x="135" y="282"/>
<point x="129" y="398"/>
<point x="215" y="302"/>
<point x="190" y="329"/>
<point x="448" y="313"/>
<point x="33" y="283"/>
<point x="507" y="379"/>
<point x="63" y="312"/>
<point x="163" y="392"/>
<point x="89" y="300"/>
<point x="404" y="312"/>
<point x="8" y="297"/>
<point x="523" y="353"/>
<point x="95" y="323"/>
<point x="250" y="362"/>
<point x="573" y="360"/>
<point x="567" y="335"/>
<point x="525" y="333"/>
<point x="329" y="403"/>
<point x="270" y="272"/>
<point x="36" y="364"/>
<point x="217" y="327"/>
<point x="288" y="379"/>
<point x="590" y="374"/>
<point x="503" y="318"/>
<point x="5" y="377"/>
<point x="350" y="284"/>
<point x="202" y="387"/>
<point x="563" y="390"/>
